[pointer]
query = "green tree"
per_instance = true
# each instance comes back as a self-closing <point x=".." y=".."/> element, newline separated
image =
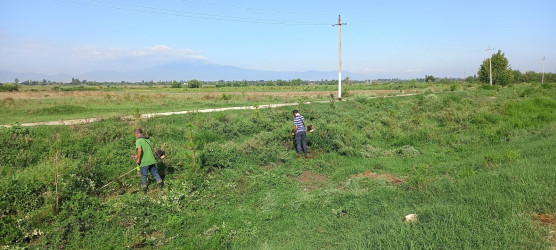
<point x="346" y="81"/>
<point x="296" y="82"/>
<point x="518" y="77"/>
<point x="530" y="76"/>
<point x="176" y="84"/>
<point x="281" y="83"/>
<point x="9" y="87"/>
<point x="470" y="79"/>
<point x="194" y="83"/>
<point x="16" y="81"/>
<point x="75" y="81"/>
<point x="501" y="71"/>
<point x="429" y="78"/>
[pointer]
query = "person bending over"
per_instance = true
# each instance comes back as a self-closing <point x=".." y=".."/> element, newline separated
<point x="145" y="159"/>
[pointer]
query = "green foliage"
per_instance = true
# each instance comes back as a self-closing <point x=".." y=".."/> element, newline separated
<point x="345" y="92"/>
<point x="233" y="179"/>
<point x="194" y="83"/>
<point x="9" y="87"/>
<point x="502" y="74"/>
<point x="19" y="149"/>
<point x="176" y="84"/>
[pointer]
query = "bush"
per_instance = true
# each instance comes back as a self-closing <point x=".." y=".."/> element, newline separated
<point x="9" y="87"/>
<point x="176" y="84"/>
<point x="194" y="84"/>
<point x="18" y="148"/>
<point x="548" y="85"/>
<point x="361" y="99"/>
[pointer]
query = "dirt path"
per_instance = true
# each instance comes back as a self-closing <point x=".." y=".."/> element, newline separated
<point x="147" y="116"/>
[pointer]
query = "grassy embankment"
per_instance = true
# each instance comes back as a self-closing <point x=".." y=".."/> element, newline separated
<point x="477" y="166"/>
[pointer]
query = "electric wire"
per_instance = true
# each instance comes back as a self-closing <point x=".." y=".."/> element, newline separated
<point x="255" y="9"/>
<point x="180" y="13"/>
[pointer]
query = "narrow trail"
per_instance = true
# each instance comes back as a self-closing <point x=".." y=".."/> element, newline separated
<point x="152" y="115"/>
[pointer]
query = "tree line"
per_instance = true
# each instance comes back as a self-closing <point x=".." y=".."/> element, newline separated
<point x="502" y="74"/>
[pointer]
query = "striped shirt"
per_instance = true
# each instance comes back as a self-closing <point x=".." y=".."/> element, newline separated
<point x="299" y="122"/>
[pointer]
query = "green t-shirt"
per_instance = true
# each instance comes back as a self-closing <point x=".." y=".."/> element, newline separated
<point x="147" y="158"/>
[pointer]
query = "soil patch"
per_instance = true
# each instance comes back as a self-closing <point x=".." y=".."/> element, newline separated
<point x="547" y="218"/>
<point x="550" y="221"/>
<point x="311" y="181"/>
<point x="392" y="179"/>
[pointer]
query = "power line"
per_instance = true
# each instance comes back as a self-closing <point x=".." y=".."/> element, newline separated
<point x="255" y="9"/>
<point x="180" y="13"/>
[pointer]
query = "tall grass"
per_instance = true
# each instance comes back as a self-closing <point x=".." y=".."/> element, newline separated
<point x="474" y="165"/>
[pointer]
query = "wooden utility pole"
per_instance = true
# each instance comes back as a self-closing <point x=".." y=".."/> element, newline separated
<point x="339" y="24"/>
<point x="543" y="59"/>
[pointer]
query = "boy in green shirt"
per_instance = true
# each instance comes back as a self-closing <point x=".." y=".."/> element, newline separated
<point x="145" y="159"/>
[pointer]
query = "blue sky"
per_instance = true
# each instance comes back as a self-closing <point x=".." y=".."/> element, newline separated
<point x="382" y="39"/>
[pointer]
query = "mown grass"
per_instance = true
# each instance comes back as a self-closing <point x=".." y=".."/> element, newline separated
<point x="476" y="166"/>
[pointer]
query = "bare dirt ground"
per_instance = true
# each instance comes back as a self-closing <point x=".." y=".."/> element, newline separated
<point x="550" y="221"/>
<point x="311" y="181"/>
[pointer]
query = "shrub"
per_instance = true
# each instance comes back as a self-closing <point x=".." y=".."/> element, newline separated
<point x="361" y="99"/>
<point x="8" y="232"/>
<point x="9" y="87"/>
<point x="194" y="84"/>
<point x="18" y="148"/>
<point x="548" y="85"/>
<point x="176" y="84"/>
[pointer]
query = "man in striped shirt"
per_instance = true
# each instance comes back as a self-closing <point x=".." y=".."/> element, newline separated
<point x="299" y="133"/>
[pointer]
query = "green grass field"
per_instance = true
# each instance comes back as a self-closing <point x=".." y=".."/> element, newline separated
<point x="475" y="164"/>
<point x="47" y="103"/>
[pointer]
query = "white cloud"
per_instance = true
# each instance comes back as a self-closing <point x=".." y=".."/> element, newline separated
<point x="156" y="53"/>
<point x="27" y="55"/>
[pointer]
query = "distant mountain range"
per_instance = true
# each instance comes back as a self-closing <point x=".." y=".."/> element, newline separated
<point x="183" y="71"/>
